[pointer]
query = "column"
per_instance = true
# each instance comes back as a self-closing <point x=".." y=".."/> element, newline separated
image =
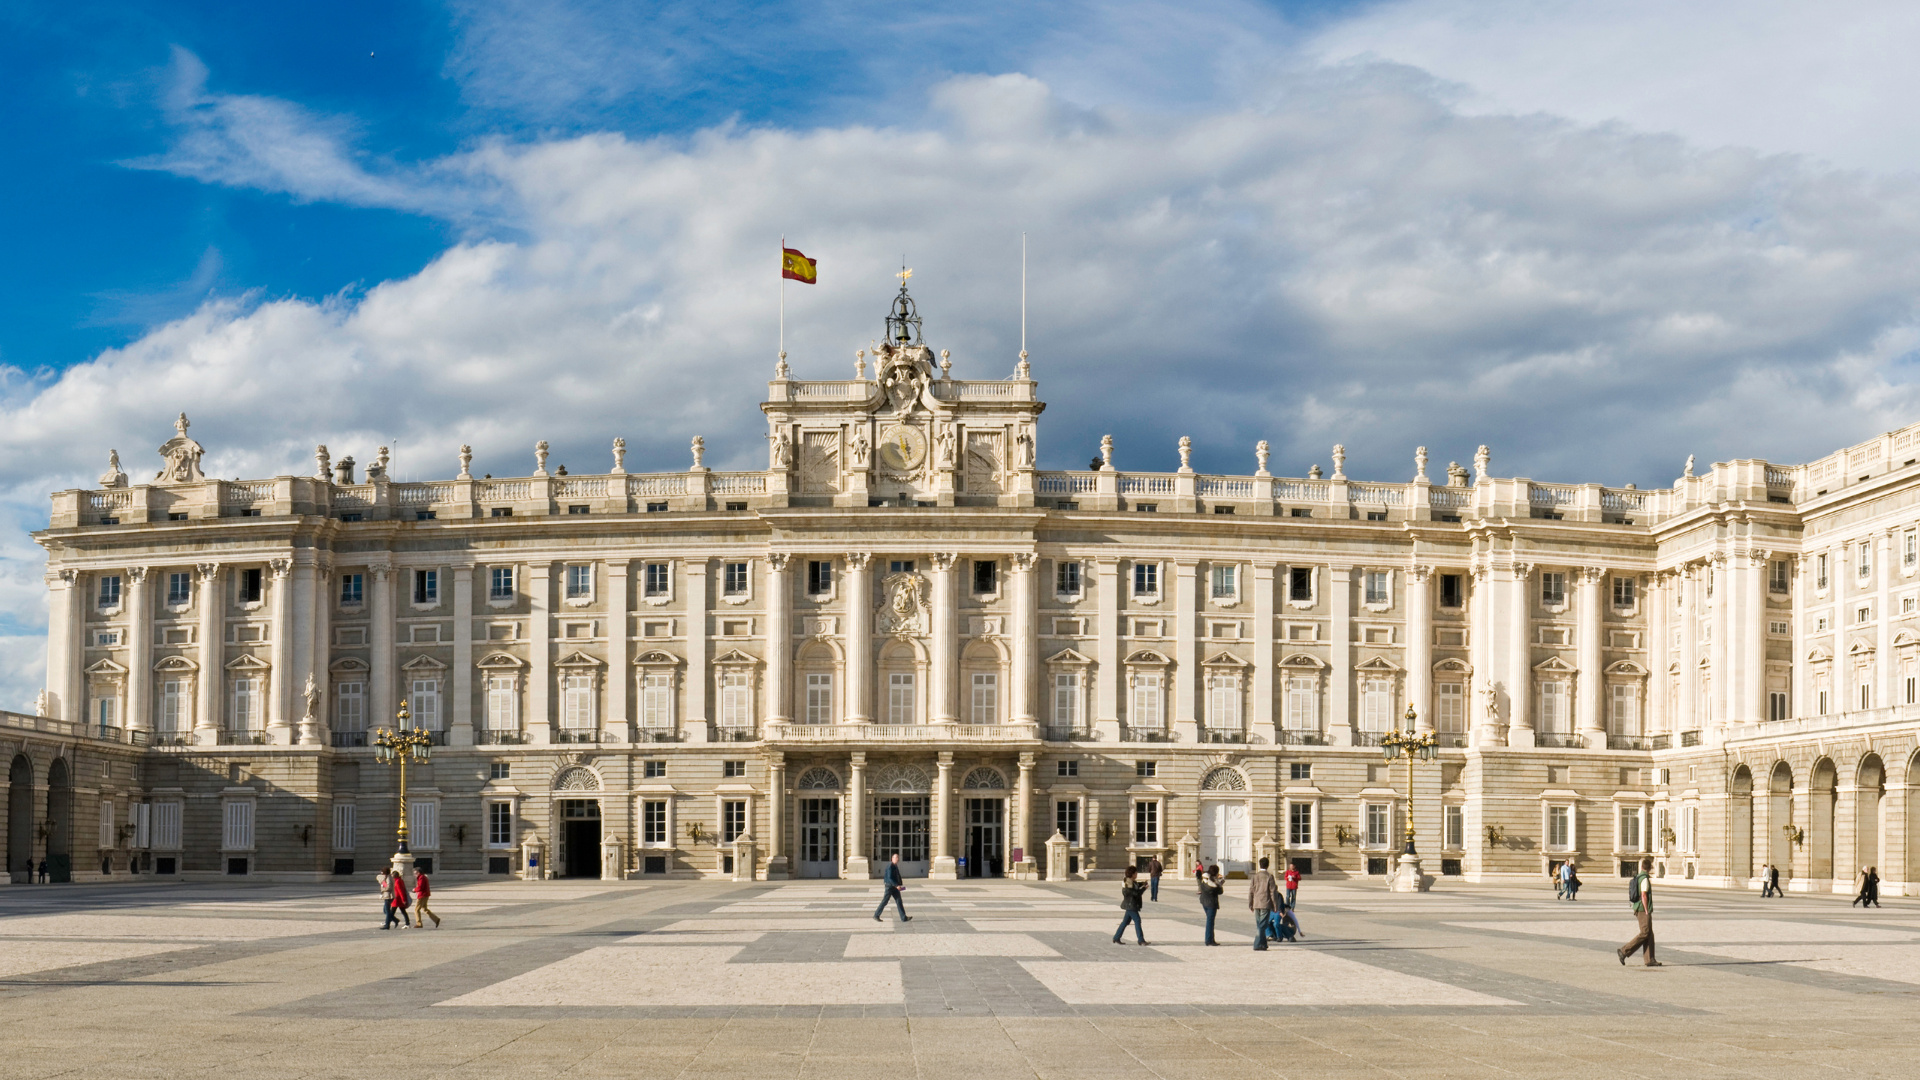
<point x="1753" y="639"/>
<point x="1519" y="612"/>
<point x="1883" y="667"/>
<point x="381" y="702"/>
<point x="619" y="655"/>
<point x="779" y="638"/>
<point x="941" y="705"/>
<point x="697" y="724"/>
<point x="1724" y="683"/>
<point x="1845" y="696"/>
<point x="309" y="667"/>
<point x="859" y="639"/>
<point x="322" y="624"/>
<point x="1025" y="638"/>
<point x="461" y="732"/>
<point x="66" y="621"/>
<point x="1340" y="648"/>
<point x="1800" y="694"/>
<point x="1591" y="682"/>
<point x="280" y="682"/>
<point x="943" y="868"/>
<point x="1659" y="603"/>
<point x="856" y="846"/>
<point x="776" y="816"/>
<point x="1107" y="673"/>
<point x="539" y="726"/>
<point x="1023" y="819"/>
<point x="206" y="718"/>
<point x="1484" y="725"/>
<point x="1262" y="718"/>
<point x="1689" y="689"/>
<point x="1419" y="614"/>
<point x="139" y="651"/>
<point x="1186" y="652"/>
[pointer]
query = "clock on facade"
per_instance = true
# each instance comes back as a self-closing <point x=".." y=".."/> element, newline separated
<point x="902" y="447"/>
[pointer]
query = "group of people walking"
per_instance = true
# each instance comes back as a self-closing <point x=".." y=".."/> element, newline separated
<point x="1566" y="881"/>
<point x="1270" y="899"/>
<point x="397" y="900"/>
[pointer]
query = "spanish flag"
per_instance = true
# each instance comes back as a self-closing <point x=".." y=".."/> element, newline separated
<point x="797" y="267"/>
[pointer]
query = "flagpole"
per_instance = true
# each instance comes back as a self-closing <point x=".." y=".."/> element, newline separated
<point x="783" y="298"/>
<point x="1021" y="370"/>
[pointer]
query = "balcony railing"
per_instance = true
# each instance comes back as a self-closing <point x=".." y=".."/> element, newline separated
<point x="1559" y="740"/>
<point x="1300" y="737"/>
<point x="1223" y="735"/>
<point x="1629" y="742"/>
<point x="250" y="737"/>
<point x="576" y="735"/>
<point x="1368" y="738"/>
<point x="1690" y="738"/>
<point x="885" y="733"/>
<point x="349" y="738"/>
<point x="1067" y="733"/>
<point x="657" y="734"/>
<point x="171" y="738"/>
<point x="1661" y="742"/>
<point x="735" y="734"/>
<point x="1145" y="734"/>
<point x="499" y="737"/>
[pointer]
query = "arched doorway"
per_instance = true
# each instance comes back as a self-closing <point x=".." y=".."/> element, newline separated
<point x="20" y="820"/>
<point x="59" y="822"/>
<point x="1740" y="826"/>
<point x="1872" y="781"/>
<point x="1779" y="816"/>
<point x="1821" y="799"/>
<point x="985" y="842"/>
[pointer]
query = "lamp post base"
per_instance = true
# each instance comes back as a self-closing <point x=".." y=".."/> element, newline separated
<point x="402" y="863"/>
<point x="1409" y="877"/>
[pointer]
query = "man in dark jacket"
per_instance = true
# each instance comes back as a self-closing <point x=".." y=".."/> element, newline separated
<point x="1643" y="910"/>
<point x="1154" y="870"/>
<point x="1263" y="897"/>
<point x="1211" y="886"/>
<point x="1130" y="890"/>
<point x="895" y="885"/>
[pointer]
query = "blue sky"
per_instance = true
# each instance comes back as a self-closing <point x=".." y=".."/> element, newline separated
<point x="1598" y="236"/>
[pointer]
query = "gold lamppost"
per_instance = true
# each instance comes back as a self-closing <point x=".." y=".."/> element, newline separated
<point x="394" y="748"/>
<point x="1407" y="744"/>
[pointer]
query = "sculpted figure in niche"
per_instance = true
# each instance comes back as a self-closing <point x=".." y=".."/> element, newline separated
<point x="782" y="452"/>
<point x="861" y="448"/>
<point x="1025" y="444"/>
<point x="312" y="697"/>
<point x="943" y="438"/>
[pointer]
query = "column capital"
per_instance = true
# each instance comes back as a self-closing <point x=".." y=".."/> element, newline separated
<point x="1027" y="760"/>
<point x="776" y="760"/>
<point x="380" y="570"/>
<point x="858" y="560"/>
<point x="280" y="567"/>
<point x="777" y="561"/>
<point x="1522" y="570"/>
<point x="943" y="561"/>
<point x="1592" y="575"/>
<point x="858" y="759"/>
<point x="944" y="760"/>
<point x="1025" y="561"/>
<point x="136" y="574"/>
<point x="208" y="570"/>
<point x="1419" y="572"/>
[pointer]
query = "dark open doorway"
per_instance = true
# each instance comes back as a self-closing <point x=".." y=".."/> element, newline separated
<point x="580" y="838"/>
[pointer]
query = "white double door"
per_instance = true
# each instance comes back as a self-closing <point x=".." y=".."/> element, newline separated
<point x="1226" y="836"/>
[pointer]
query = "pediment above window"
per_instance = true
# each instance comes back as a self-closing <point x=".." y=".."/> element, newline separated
<point x="502" y="660"/>
<point x="1303" y="660"/>
<point x="735" y="658"/>
<point x="656" y="658"/>
<point x="581" y="660"/>
<point x="247" y="662"/>
<point x="348" y="665"/>
<point x="1555" y="665"/>
<point x="1148" y="658"/>
<point x="105" y="667"/>
<point x="423" y="663"/>
<point x="1378" y="663"/>
<point x="1069" y="658"/>
<point x="1226" y="659"/>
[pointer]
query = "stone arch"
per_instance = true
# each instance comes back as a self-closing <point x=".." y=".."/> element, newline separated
<point x="984" y="778"/>
<point x="1740" y="824"/>
<point x="1870" y="777"/>
<point x="59" y="820"/>
<point x="902" y="779"/>
<point x="1822" y="800"/>
<point x="1779" y="816"/>
<point x="818" y="778"/>
<point x="20" y="814"/>
<point x="1224" y="778"/>
<point x="576" y="778"/>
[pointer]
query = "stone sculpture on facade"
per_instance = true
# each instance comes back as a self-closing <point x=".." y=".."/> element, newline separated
<point x="861" y="448"/>
<point x="619" y="456"/>
<point x="115" y="476"/>
<point x="1420" y="463"/>
<point x="1339" y="462"/>
<point x="1186" y="454"/>
<point x="322" y="463"/>
<point x="343" y="470"/>
<point x="1261" y="454"/>
<point x="182" y="456"/>
<point x="699" y="452"/>
<point x="906" y="611"/>
<point x="780" y="453"/>
<point x="466" y="462"/>
<point x="540" y="458"/>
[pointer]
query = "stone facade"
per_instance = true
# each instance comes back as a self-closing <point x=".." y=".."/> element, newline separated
<point x="903" y="636"/>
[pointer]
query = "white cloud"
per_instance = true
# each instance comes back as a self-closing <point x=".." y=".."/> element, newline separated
<point x="1355" y="263"/>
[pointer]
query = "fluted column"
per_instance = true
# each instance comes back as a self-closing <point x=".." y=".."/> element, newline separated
<point x="1185" y="717"/>
<point x="206" y="718"/>
<point x="1519" y="612"/>
<point x="1659" y="604"/>
<point x="1753" y="639"/>
<point x="1340" y="678"/>
<point x="461" y="731"/>
<point x="696" y="725"/>
<point x="1264" y="726"/>
<point x="942" y="826"/>
<point x="619" y="573"/>
<point x="382" y="701"/>
<point x="1590" y="683"/>
<point x="857" y="866"/>
<point x="779" y="639"/>
<point x="946" y="641"/>
<point x="1026" y="638"/>
<point x="1485" y="725"/>
<point x="859" y="638"/>
<point x="139" y="650"/>
<point x="280" y="688"/>
<point x="66" y="614"/>
<point x="1107" y="673"/>
<point x="1883" y="666"/>
<point x="309" y="655"/>
<point x="1845" y="697"/>
<point x="1689" y="689"/>
<point x="1420" y="645"/>
<point x="776" y="816"/>
<point x="1023" y="818"/>
<point x="1719" y="647"/>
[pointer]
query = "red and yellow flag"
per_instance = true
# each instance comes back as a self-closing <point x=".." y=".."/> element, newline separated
<point x="797" y="267"/>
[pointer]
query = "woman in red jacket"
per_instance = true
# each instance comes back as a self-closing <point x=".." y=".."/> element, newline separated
<point x="398" y="907"/>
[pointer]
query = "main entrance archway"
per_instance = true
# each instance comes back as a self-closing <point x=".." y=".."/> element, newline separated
<point x="580" y="838"/>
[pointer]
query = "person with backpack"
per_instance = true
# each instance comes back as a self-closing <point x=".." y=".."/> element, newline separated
<point x="1640" y="892"/>
<point x="1131" y="888"/>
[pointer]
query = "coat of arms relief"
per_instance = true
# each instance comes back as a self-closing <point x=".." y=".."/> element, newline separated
<point x="906" y="611"/>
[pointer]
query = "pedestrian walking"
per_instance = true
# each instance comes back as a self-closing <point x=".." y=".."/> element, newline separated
<point x="1773" y="880"/>
<point x="1154" y="870"/>
<point x="1263" y="896"/>
<point x="1869" y="888"/>
<point x="1766" y="880"/>
<point x="893" y="885"/>
<point x="1292" y="880"/>
<point x="43" y="871"/>
<point x="1211" y="886"/>
<point x="398" y="911"/>
<point x="385" y="888"/>
<point x="1555" y="875"/>
<point x="1131" y="888"/>
<point x="1570" y="880"/>
<point x="1640" y="892"/>
<point x="422" y="888"/>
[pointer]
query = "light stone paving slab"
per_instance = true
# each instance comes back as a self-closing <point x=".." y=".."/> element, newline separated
<point x="831" y="923"/>
<point x="27" y="957"/>
<point x="1894" y="963"/>
<point x="164" y="928"/>
<point x="689" y="976"/>
<point x="692" y="937"/>
<point x="1697" y="931"/>
<point x="945" y="945"/>
<point x="1292" y="977"/>
<point x="1044" y="925"/>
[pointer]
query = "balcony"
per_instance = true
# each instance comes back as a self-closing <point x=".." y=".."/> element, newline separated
<point x="899" y="733"/>
<point x="170" y="738"/>
<point x="1559" y="740"/>
<point x="349" y="738"/>
<point x="1067" y="733"/>
<point x="735" y="734"/>
<point x="499" y="737"/>
<point x="1690" y="738"/>
<point x="1629" y="742"/>
<point x="1224" y="735"/>
<point x="576" y="735"/>
<point x="1145" y="734"/>
<point x="1302" y="737"/>
<point x="249" y="737"/>
<point x="1661" y="742"/>
<point x="656" y="735"/>
<point x="1368" y="738"/>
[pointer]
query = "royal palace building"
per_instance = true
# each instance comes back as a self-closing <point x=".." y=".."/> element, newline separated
<point x="902" y="636"/>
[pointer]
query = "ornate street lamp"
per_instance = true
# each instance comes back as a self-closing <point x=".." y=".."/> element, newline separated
<point x="394" y="748"/>
<point x="1407" y="744"/>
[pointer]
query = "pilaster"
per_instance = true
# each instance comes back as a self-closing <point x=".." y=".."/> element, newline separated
<point x="1340" y="651"/>
<point x="943" y="867"/>
<point x="1419" y="615"/>
<point x="140" y="650"/>
<point x="280" y="684"/>
<point x="382" y="703"/>
<point x="460" y="732"/>
<point x="619" y="654"/>
<point x="1264" y="729"/>
<point x="859" y="638"/>
<point x="941" y="704"/>
<point x="1186" y="652"/>
<point x="1590" y="682"/>
<point x="697" y="725"/>
<point x="539" y="726"/>
<point x="212" y="599"/>
<point x="779" y="639"/>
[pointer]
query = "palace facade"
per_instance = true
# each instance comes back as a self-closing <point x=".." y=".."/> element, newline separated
<point x="902" y="636"/>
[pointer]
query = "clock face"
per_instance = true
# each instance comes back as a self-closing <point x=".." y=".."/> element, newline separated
<point x="902" y="448"/>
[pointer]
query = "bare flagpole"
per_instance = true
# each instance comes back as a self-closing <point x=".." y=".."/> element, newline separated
<point x="1022" y="371"/>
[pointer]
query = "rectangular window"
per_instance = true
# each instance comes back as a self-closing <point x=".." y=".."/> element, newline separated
<point x="1374" y="586"/>
<point x="656" y="700"/>
<point x="106" y="712"/>
<point x="1066" y="700"/>
<point x="1066" y="579"/>
<point x="1624" y="718"/>
<point x="250" y="586"/>
<point x="1553" y="707"/>
<point x="819" y="577"/>
<point x="110" y="591"/>
<point x="353" y="590"/>
<point x="1866" y="695"/>
<point x="900" y="566"/>
<point x="1553" y="589"/>
<point x="1451" y="714"/>
<point x="179" y="589"/>
<point x="246" y="704"/>
<point x="1777" y="575"/>
<point x="500" y="583"/>
<point x="1226" y="582"/>
<point x="350" y="703"/>
<point x="1066" y="819"/>
<point x="579" y="582"/>
<point x="1146" y="768"/>
<point x="499" y="770"/>
<point x="1909" y="548"/>
<point x="734" y="580"/>
<point x="238" y="832"/>
<point x="655" y="580"/>
<point x="107" y="839"/>
<point x="733" y="820"/>
<point x="1067" y="768"/>
<point x="1146" y="824"/>
<point x="731" y="769"/>
<point x="1455" y="824"/>
<point x="1376" y="705"/>
<point x="1623" y="591"/>
<point x="986" y="698"/>
<point x="736" y="700"/>
<point x="653" y="822"/>
<point x="1303" y="704"/>
<point x="1451" y="594"/>
<point x="819" y="699"/>
<point x="173" y="707"/>
<point x="654" y="770"/>
<point x="1223" y="702"/>
<point x="1300" y="825"/>
<point x="900" y="697"/>
<point x="1820" y="571"/>
<point x="423" y="824"/>
<point x="1864" y="567"/>
<point x="576" y="702"/>
<point x="1378" y="826"/>
<point x="343" y="831"/>
<point x="1146" y="579"/>
<point x="503" y="704"/>
<point x="499" y="824"/>
<point x="986" y="576"/>
<point x="1300" y="770"/>
<point x="1630" y="828"/>
<point x="1777" y="701"/>
<point x="1300" y="584"/>
<point x="1146" y="711"/>
<point x="426" y="586"/>
<point x="1559" y="827"/>
<point x="166" y="826"/>
<point x="425" y="704"/>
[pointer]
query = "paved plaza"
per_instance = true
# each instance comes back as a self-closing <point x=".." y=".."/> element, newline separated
<point x="994" y="979"/>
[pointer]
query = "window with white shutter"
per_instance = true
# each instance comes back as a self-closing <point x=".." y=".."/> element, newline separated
<point x="238" y="834"/>
<point x="166" y="826"/>
<point x="343" y="825"/>
<point x="656" y="700"/>
<point x="423" y="825"/>
<point x="107" y="839"/>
